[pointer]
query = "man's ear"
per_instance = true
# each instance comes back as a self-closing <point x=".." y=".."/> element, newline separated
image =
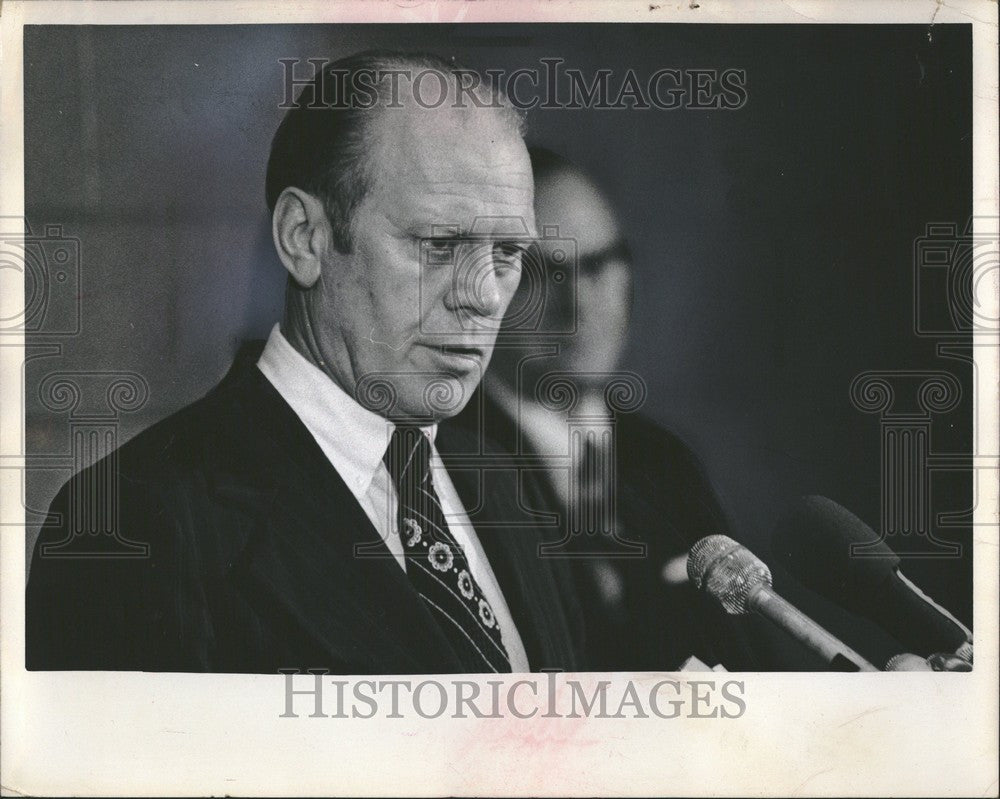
<point x="301" y="233"/>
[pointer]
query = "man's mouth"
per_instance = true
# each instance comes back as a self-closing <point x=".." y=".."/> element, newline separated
<point x="458" y="355"/>
<point x="467" y="351"/>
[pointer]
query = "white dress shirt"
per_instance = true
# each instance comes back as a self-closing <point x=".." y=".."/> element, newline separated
<point x="354" y="440"/>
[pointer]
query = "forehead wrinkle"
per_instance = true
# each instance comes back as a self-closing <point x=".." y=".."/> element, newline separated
<point x="492" y="188"/>
<point x="477" y="200"/>
<point x="462" y="198"/>
<point x="485" y="220"/>
<point x="423" y="143"/>
<point x="480" y="182"/>
<point x="464" y="164"/>
<point x="456" y="186"/>
<point x="411" y="129"/>
<point x="439" y="169"/>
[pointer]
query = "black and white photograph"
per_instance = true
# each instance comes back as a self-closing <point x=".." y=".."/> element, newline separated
<point x="505" y="372"/>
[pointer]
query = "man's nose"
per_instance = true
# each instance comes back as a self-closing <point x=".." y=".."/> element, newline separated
<point x="476" y="286"/>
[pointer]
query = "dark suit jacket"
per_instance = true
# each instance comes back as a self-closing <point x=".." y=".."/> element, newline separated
<point x="252" y="564"/>
<point x="665" y="501"/>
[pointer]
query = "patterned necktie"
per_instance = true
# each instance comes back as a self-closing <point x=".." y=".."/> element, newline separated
<point x="435" y="562"/>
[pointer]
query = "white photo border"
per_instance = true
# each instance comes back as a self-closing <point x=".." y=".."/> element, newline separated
<point x="99" y="733"/>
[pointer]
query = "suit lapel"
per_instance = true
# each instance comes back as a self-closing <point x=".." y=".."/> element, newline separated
<point x="317" y="555"/>
<point x="306" y="546"/>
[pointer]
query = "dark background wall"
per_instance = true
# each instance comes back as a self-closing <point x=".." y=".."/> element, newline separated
<point x="773" y="243"/>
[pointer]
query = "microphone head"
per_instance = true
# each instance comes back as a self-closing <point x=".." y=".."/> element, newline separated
<point x="813" y="541"/>
<point x="908" y="662"/>
<point x="727" y="571"/>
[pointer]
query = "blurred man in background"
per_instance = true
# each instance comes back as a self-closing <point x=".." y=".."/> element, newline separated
<point x="631" y="497"/>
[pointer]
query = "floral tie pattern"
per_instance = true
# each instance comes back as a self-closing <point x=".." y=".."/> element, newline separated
<point x="435" y="562"/>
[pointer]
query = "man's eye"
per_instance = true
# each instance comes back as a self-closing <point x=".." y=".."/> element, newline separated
<point x="508" y="253"/>
<point x="440" y="251"/>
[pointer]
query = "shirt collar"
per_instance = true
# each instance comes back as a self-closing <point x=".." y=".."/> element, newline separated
<point x="353" y="438"/>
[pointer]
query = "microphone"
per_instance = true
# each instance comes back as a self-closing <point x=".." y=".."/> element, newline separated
<point x="741" y="583"/>
<point x="936" y="662"/>
<point x="908" y="662"/>
<point x="814" y="541"/>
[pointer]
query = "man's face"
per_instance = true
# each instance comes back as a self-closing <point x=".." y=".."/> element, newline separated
<point x="412" y="312"/>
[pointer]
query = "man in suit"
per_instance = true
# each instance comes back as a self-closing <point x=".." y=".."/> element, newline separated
<point x="630" y="497"/>
<point x="307" y="513"/>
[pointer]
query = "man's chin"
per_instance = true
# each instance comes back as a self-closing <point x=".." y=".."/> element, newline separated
<point x="447" y="397"/>
<point x="432" y="401"/>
